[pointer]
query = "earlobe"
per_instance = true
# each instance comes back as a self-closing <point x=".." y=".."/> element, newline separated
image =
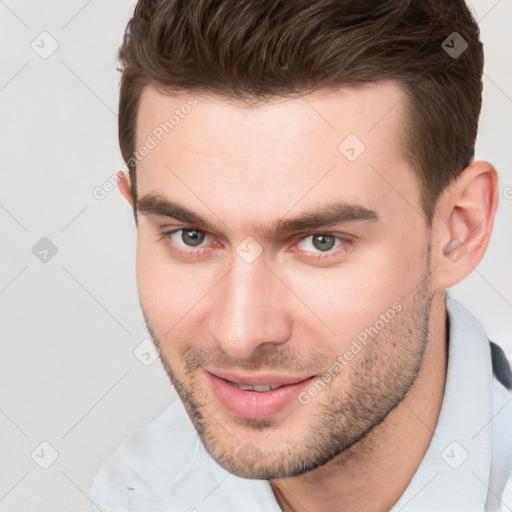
<point x="125" y="186"/>
<point x="463" y="224"/>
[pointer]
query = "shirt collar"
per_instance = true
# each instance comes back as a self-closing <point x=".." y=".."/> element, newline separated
<point x="454" y="473"/>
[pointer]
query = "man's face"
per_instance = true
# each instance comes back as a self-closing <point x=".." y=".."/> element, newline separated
<point x="294" y="254"/>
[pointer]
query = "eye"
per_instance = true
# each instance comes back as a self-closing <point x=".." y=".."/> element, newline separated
<point x="322" y="242"/>
<point x="187" y="237"/>
<point x="192" y="237"/>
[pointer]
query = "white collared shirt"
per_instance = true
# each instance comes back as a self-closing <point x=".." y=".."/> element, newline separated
<point x="165" y="467"/>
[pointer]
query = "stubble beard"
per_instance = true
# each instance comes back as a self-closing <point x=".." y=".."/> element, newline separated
<point x="346" y="410"/>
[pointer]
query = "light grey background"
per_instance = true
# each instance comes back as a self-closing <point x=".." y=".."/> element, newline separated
<point x="70" y="325"/>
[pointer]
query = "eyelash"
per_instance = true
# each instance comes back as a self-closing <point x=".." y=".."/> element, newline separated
<point x="345" y="240"/>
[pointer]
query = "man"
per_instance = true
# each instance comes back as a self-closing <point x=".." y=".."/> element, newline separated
<point x="304" y="190"/>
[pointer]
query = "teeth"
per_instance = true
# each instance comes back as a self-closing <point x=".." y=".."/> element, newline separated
<point x="261" y="388"/>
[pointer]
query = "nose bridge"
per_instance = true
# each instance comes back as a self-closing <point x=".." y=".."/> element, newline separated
<point x="250" y="309"/>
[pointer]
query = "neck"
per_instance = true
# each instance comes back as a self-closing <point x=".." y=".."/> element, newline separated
<point x="373" y="473"/>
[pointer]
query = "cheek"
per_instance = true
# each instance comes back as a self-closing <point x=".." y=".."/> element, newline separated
<point x="167" y="291"/>
<point x="348" y="299"/>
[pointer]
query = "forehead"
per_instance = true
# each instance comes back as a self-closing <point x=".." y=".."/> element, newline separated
<point x="265" y="157"/>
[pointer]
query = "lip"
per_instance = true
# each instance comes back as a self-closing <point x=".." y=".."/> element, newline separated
<point x="253" y="404"/>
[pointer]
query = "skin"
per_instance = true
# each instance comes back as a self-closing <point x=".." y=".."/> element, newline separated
<point x="296" y="308"/>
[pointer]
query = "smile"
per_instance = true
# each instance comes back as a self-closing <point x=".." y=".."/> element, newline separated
<point x="255" y="396"/>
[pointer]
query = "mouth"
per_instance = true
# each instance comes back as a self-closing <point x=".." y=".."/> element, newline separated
<point x="255" y="396"/>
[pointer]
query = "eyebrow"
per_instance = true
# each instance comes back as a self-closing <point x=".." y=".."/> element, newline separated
<point x="336" y="212"/>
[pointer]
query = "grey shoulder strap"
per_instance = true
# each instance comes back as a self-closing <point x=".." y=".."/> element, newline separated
<point x="500" y="366"/>
<point x="501" y="458"/>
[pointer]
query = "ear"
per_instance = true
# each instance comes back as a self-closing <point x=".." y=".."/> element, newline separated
<point x="125" y="186"/>
<point x="462" y="224"/>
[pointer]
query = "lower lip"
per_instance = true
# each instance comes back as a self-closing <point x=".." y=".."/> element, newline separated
<point x="253" y="404"/>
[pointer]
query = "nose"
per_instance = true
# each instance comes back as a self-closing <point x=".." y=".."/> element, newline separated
<point x="252" y="309"/>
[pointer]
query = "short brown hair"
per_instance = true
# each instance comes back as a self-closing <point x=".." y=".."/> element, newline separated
<point x="259" y="49"/>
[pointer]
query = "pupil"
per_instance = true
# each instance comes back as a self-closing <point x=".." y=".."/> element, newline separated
<point x="323" y="242"/>
<point x="192" y="237"/>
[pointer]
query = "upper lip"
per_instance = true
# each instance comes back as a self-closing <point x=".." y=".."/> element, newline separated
<point x="258" y="379"/>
